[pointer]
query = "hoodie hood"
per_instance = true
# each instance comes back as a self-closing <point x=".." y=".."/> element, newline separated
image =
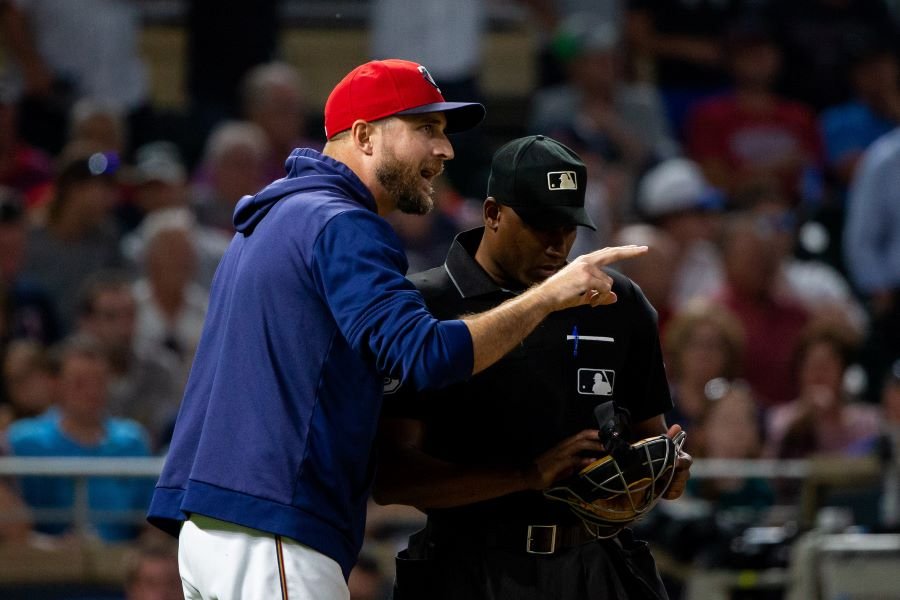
<point x="306" y="170"/>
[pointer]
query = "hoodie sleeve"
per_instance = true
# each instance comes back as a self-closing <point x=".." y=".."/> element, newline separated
<point x="358" y="266"/>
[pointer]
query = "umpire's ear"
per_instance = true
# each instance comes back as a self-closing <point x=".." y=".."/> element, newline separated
<point x="490" y="212"/>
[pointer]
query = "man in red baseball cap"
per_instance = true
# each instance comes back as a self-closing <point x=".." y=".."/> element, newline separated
<point x="311" y="319"/>
<point x="400" y="102"/>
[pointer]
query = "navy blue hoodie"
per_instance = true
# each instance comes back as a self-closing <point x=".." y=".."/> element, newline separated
<point x="309" y="312"/>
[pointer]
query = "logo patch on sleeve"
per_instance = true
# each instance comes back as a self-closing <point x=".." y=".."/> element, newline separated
<point x="596" y="382"/>
<point x="390" y="385"/>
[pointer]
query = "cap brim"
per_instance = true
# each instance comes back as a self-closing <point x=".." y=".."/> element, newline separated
<point x="544" y="217"/>
<point x="461" y="116"/>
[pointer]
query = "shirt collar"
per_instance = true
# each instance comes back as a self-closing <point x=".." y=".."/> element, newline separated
<point x="465" y="272"/>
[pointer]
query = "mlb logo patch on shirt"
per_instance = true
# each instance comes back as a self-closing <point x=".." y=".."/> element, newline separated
<point x="596" y="382"/>
<point x="562" y="180"/>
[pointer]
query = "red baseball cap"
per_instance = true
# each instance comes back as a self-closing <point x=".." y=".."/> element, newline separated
<point x="382" y="88"/>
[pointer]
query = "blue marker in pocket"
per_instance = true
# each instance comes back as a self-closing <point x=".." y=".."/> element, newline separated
<point x="575" y="338"/>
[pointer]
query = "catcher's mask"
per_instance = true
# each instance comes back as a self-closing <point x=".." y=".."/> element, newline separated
<point x="618" y="488"/>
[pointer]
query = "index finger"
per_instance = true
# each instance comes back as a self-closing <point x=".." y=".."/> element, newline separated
<point x="613" y="254"/>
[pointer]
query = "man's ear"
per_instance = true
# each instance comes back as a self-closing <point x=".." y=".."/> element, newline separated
<point x="361" y="134"/>
<point x="490" y="212"/>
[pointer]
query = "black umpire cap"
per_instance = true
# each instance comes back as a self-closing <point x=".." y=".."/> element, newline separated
<point x="542" y="180"/>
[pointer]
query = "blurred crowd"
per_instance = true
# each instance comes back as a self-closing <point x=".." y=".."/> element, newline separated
<point x="754" y="145"/>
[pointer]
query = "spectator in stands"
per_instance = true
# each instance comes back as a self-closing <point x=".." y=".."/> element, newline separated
<point x="753" y="134"/>
<point x="873" y="111"/>
<point x="79" y="235"/>
<point x="872" y="248"/>
<point x="824" y="418"/>
<point x="151" y="571"/>
<point x="162" y="197"/>
<point x="145" y="383"/>
<point x="233" y="166"/>
<point x="595" y="109"/>
<point x="65" y="51"/>
<point x="27" y="309"/>
<point x="274" y="98"/>
<point x="848" y="129"/>
<point x="156" y="180"/>
<point x="79" y="426"/>
<point x="732" y="429"/>
<point x="171" y="307"/>
<point x="24" y="168"/>
<point x="654" y="271"/>
<point x="818" y="286"/>
<point x="98" y="124"/>
<point x="772" y="322"/>
<point x="159" y="177"/>
<point x="675" y="197"/>
<point x="29" y="382"/>
<point x="702" y="343"/>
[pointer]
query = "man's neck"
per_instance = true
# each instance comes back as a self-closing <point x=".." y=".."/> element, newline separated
<point x="342" y="152"/>
<point x="83" y="431"/>
<point x="486" y="261"/>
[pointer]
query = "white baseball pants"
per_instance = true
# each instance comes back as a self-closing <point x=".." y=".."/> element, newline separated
<point x="224" y="561"/>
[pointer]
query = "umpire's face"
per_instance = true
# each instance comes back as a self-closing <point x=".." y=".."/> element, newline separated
<point x="526" y="254"/>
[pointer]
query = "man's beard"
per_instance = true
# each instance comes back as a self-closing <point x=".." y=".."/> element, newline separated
<point x="403" y="182"/>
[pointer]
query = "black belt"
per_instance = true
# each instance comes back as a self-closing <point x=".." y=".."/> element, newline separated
<point x="529" y="539"/>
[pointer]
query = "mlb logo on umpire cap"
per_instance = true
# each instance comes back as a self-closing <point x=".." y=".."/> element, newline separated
<point x="562" y="180"/>
<point x="539" y="178"/>
<point x="596" y="382"/>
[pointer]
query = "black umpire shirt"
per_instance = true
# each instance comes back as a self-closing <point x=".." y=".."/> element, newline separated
<point x="541" y="392"/>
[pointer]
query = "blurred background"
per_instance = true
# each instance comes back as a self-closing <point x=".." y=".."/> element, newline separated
<point x="754" y="145"/>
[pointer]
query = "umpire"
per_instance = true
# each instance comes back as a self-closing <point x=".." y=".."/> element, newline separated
<point x="475" y="456"/>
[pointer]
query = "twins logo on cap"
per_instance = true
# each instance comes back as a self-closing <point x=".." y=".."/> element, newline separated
<point x="562" y="180"/>
<point x="429" y="78"/>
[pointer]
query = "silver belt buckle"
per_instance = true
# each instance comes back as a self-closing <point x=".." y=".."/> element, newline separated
<point x="530" y="540"/>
